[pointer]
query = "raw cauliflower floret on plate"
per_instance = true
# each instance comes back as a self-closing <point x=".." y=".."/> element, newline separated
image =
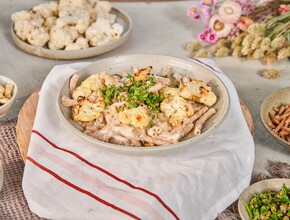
<point x="60" y="37"/>
<point x="29" y="26"/>
<point x="21" y="15"/>
<point x="137" y="117"/>
<point x="176" y="109"/>
<point x="23" y="28"/>
<point x="80" y="18"/>
<point x="80" y="43"/>
<point x="81" y="4"/>
<point x="102" y="9"/>
<point x="102" y="32"/>
<point x="198" y="91"/>
<point x="50" y="22"/>
<point x="38" y="37"/>
<point x="46" y="9"/>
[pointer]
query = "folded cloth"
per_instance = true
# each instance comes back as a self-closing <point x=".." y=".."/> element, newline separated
<point x="68" y="177"/>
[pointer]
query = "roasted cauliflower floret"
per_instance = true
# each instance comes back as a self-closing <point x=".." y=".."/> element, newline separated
<point x="198" y="91"/>
<point x="137" y="117"/>
<point x="91" y="84"/>
<point x="176" y="109"/>
<point x="169" y="91"/>
<point x="80" y="43"/>
<point x="46" y="9"/>
<point x="86" y="110"/>
<point x="143" y="74"/>
<point x="60" y="37"/>
<point x="102" y="32"/>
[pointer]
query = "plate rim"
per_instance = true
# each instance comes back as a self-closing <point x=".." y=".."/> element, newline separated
<point x="75" y="54"/>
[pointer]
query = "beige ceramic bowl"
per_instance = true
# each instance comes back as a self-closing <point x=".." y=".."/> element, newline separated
<point x="120" y="64"/>
<point x="121" y="17"/>
<point x="259" y="187"/>
<point x="276" y="99"/>
<point x="5" y="108"/>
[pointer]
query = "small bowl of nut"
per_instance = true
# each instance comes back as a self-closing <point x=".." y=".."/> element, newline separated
<point x="275" y="115"/>
<point x="8" y="92"/>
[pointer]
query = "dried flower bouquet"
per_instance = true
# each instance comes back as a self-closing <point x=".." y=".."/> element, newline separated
<point x="243" y="28"/>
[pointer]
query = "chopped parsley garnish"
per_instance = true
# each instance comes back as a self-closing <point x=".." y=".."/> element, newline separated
<point x="137" y="93"/>
<point x="109" y="94"/>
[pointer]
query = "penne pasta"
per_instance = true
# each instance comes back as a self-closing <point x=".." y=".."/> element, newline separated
<point x="280" y="121"/>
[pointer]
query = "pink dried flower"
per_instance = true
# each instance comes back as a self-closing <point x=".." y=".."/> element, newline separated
<point x="202" y="37"/>
<point x="206" y="11"/>
<point x="230" y="12"/>
<point x="208" y="35"/>
<point x="283" y="9"/>
<point x="212" y="38"/>
<point x="193" y="13"/>
<point x="220" y="28"/>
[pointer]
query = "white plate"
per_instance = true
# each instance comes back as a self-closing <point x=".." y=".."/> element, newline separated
<point x="121" y="17"/>
<point x="259" y="187"/>
<point x="120" y="64"/>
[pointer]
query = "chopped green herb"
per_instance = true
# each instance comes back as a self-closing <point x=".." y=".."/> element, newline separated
<point x="270" y="205"/>
<point x="109" y="94"/>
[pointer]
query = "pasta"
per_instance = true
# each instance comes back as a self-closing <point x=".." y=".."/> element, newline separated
<point x="142" y="108"/>
<point x="280" y="121"/>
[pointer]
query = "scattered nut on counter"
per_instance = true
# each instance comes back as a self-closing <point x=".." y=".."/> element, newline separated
<point x="5" y="93"/>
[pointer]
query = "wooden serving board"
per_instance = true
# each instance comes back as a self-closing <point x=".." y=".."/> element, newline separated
<point x="27" y="113"/>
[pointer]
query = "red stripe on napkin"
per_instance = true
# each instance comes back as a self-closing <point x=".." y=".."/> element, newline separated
<point x="108" y="173"/>
<point x="28" y="158"/>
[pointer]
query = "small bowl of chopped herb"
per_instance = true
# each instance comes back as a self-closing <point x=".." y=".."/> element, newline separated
<point x="266" y="199"/>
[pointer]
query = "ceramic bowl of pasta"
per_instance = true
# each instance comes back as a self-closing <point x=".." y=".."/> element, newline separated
<point x="275" y="115"/>
<point x="8" y="92"/>
<point x="144" y="102"/>
<point x="266" y="199"/>
<point x="70" y="29"/>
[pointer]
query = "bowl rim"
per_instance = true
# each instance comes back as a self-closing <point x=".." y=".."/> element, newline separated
<point x="75" y="54"/>
<point x="264" y="121"/>
<point x="124" y="148"/>
<point x="15" y="89"/>
<point x="269" y="184"/>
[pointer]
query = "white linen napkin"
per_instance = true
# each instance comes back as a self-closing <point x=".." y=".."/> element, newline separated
<point x="67" y="177"/>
